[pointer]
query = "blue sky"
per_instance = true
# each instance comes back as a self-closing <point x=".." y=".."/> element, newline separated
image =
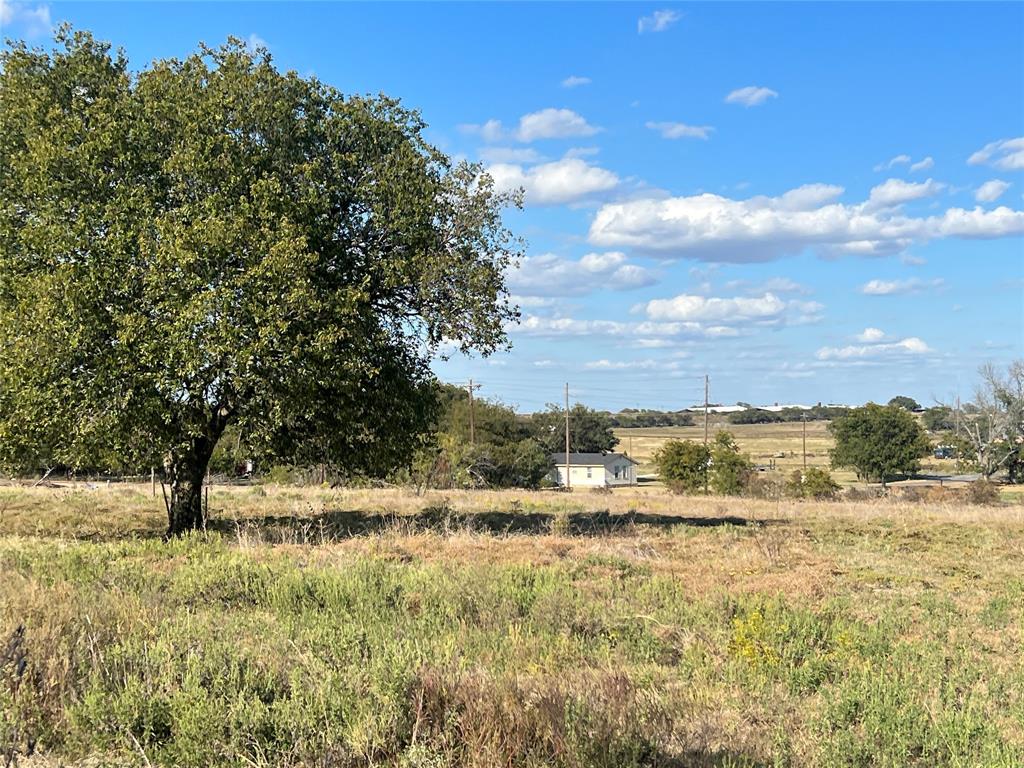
<point x="808" y="202"/>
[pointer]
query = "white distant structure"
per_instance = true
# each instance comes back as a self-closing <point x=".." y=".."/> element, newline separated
<point x="594" y="469"/>
<point x="774" y="408"/>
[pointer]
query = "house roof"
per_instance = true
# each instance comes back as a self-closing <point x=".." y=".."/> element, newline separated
<point x="591" y="459"/>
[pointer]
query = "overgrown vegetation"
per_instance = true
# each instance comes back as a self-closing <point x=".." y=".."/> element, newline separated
<point x="705" y="638"/>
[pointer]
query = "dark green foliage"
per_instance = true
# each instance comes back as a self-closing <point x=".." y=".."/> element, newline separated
<point x="683" y="465"/>
<point x="761" y="416"/>
<point x="906" y="403"/>
<point x="938" y="419"/>
<point x="502" y="454"/>
<point x="729" y="468"/>
<point x="643" y="417"/>
<point x="879" y="442"/>
<point x="590" y="431"/>
<point x="211" y="243"/>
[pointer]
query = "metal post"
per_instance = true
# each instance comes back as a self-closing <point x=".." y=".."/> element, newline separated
<point x="472" y="425"/>
<point x="568" y="463"/>
<point x="705" y="409"/>
<point x="805" y="440"/>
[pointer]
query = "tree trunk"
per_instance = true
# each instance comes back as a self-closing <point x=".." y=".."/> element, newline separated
<point x="185" y="474"/>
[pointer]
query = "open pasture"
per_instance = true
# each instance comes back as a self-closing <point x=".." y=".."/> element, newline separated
<point x="319" y="627"/>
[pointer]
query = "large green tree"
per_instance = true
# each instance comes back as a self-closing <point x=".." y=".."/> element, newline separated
<point x="590" y="431"/>
<point x="879" y="442"/>
<point x="212" y="242"/>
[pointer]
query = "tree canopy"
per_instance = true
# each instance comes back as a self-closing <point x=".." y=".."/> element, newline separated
<point x="906" y="403"/>
<point x="879" y="442"/>
<point x="683" y="465"/>
<point x="590" y="431"/>
<point x="212" y="242"/>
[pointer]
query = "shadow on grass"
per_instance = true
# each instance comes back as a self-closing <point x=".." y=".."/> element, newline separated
<point x="347" y="523"/>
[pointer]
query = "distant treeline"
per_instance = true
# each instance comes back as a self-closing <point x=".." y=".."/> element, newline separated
<point x="643" y="417"/>
<point x="761" y="416"/>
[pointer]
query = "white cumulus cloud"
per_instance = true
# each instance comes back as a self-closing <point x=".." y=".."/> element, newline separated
<point x="767" y="309"/>
<point x="681" y="130"/>
<point x="550" y="123"/>
<point x="750" y="96"/>
<point x="899" y="287"/>
<point x="1006" y="154"/>
<point x="893" y="192"/>
<point x="991" y="191"/>
<point x="909" y="346"/>
<point x="721" y="229"/>
<point x="567" y="180"/>
<point x="871" y="335"/>
<point x="922" y="165"/>
<point x="551" y="275"/>
<point x="658" y="21"/>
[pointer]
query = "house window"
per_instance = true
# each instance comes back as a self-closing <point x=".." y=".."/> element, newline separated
<point x="616" y="473"/>
<point x="590" y="472"/>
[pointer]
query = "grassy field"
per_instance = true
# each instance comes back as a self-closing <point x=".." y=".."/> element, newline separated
<point x="379" y="628"/>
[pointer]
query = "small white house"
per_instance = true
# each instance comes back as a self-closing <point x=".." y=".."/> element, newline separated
<point x="594" y="469"/>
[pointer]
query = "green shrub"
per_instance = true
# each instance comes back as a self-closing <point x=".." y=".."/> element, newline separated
<point x="683" y="465"/>
<point x="812" y="483"/>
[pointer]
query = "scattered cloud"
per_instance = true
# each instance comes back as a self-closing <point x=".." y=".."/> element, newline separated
<point x="555" y="327"/>
<point x="893" y="192"/>
<point x="906" y="347"/>
<point x="898" y="160"/>
<point x="900" y="287"/>
<point x="767" y="309"/>
<point x="551" y="275"/>
<point x="567" y="180"/>
<point x="750" y="96"/>
<point x="658" y="21"/>
<point x="574" y="81"/>
<point x="720" y="229"/>
<point x="991" y="191"/>
<point x="681" y="130"/>
<point x="922" y="165"/>
<point x="624" y="365"/>
<point x="871" y="335"/>
<point x="255" y="42"/>
<point x="1005" y="154"/>
<point x="31" y="20"/>
<point x="550" y="123"/>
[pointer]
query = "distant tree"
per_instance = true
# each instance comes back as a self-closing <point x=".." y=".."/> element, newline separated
<point x="210" y="242"/>
<point x="938" y="419"/>
<point x="754" y="416"/>
<point x="683" y="465"/>
<point x="906" y="403"/>
<point x="993" y="426"/>
<point x="590" y="431"/>
<point x="879" y="442"/>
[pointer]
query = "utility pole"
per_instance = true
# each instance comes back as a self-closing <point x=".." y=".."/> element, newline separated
<point x="706" y="384"/>
<point x="804" y="418"/>
<point x="472" y="424"/>
<point x="568" y="463"/>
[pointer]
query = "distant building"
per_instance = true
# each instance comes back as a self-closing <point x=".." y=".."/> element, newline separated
<point x="594" y="469"/>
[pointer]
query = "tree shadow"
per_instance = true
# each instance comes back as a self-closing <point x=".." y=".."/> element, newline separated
<point x="342" y="524"/>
